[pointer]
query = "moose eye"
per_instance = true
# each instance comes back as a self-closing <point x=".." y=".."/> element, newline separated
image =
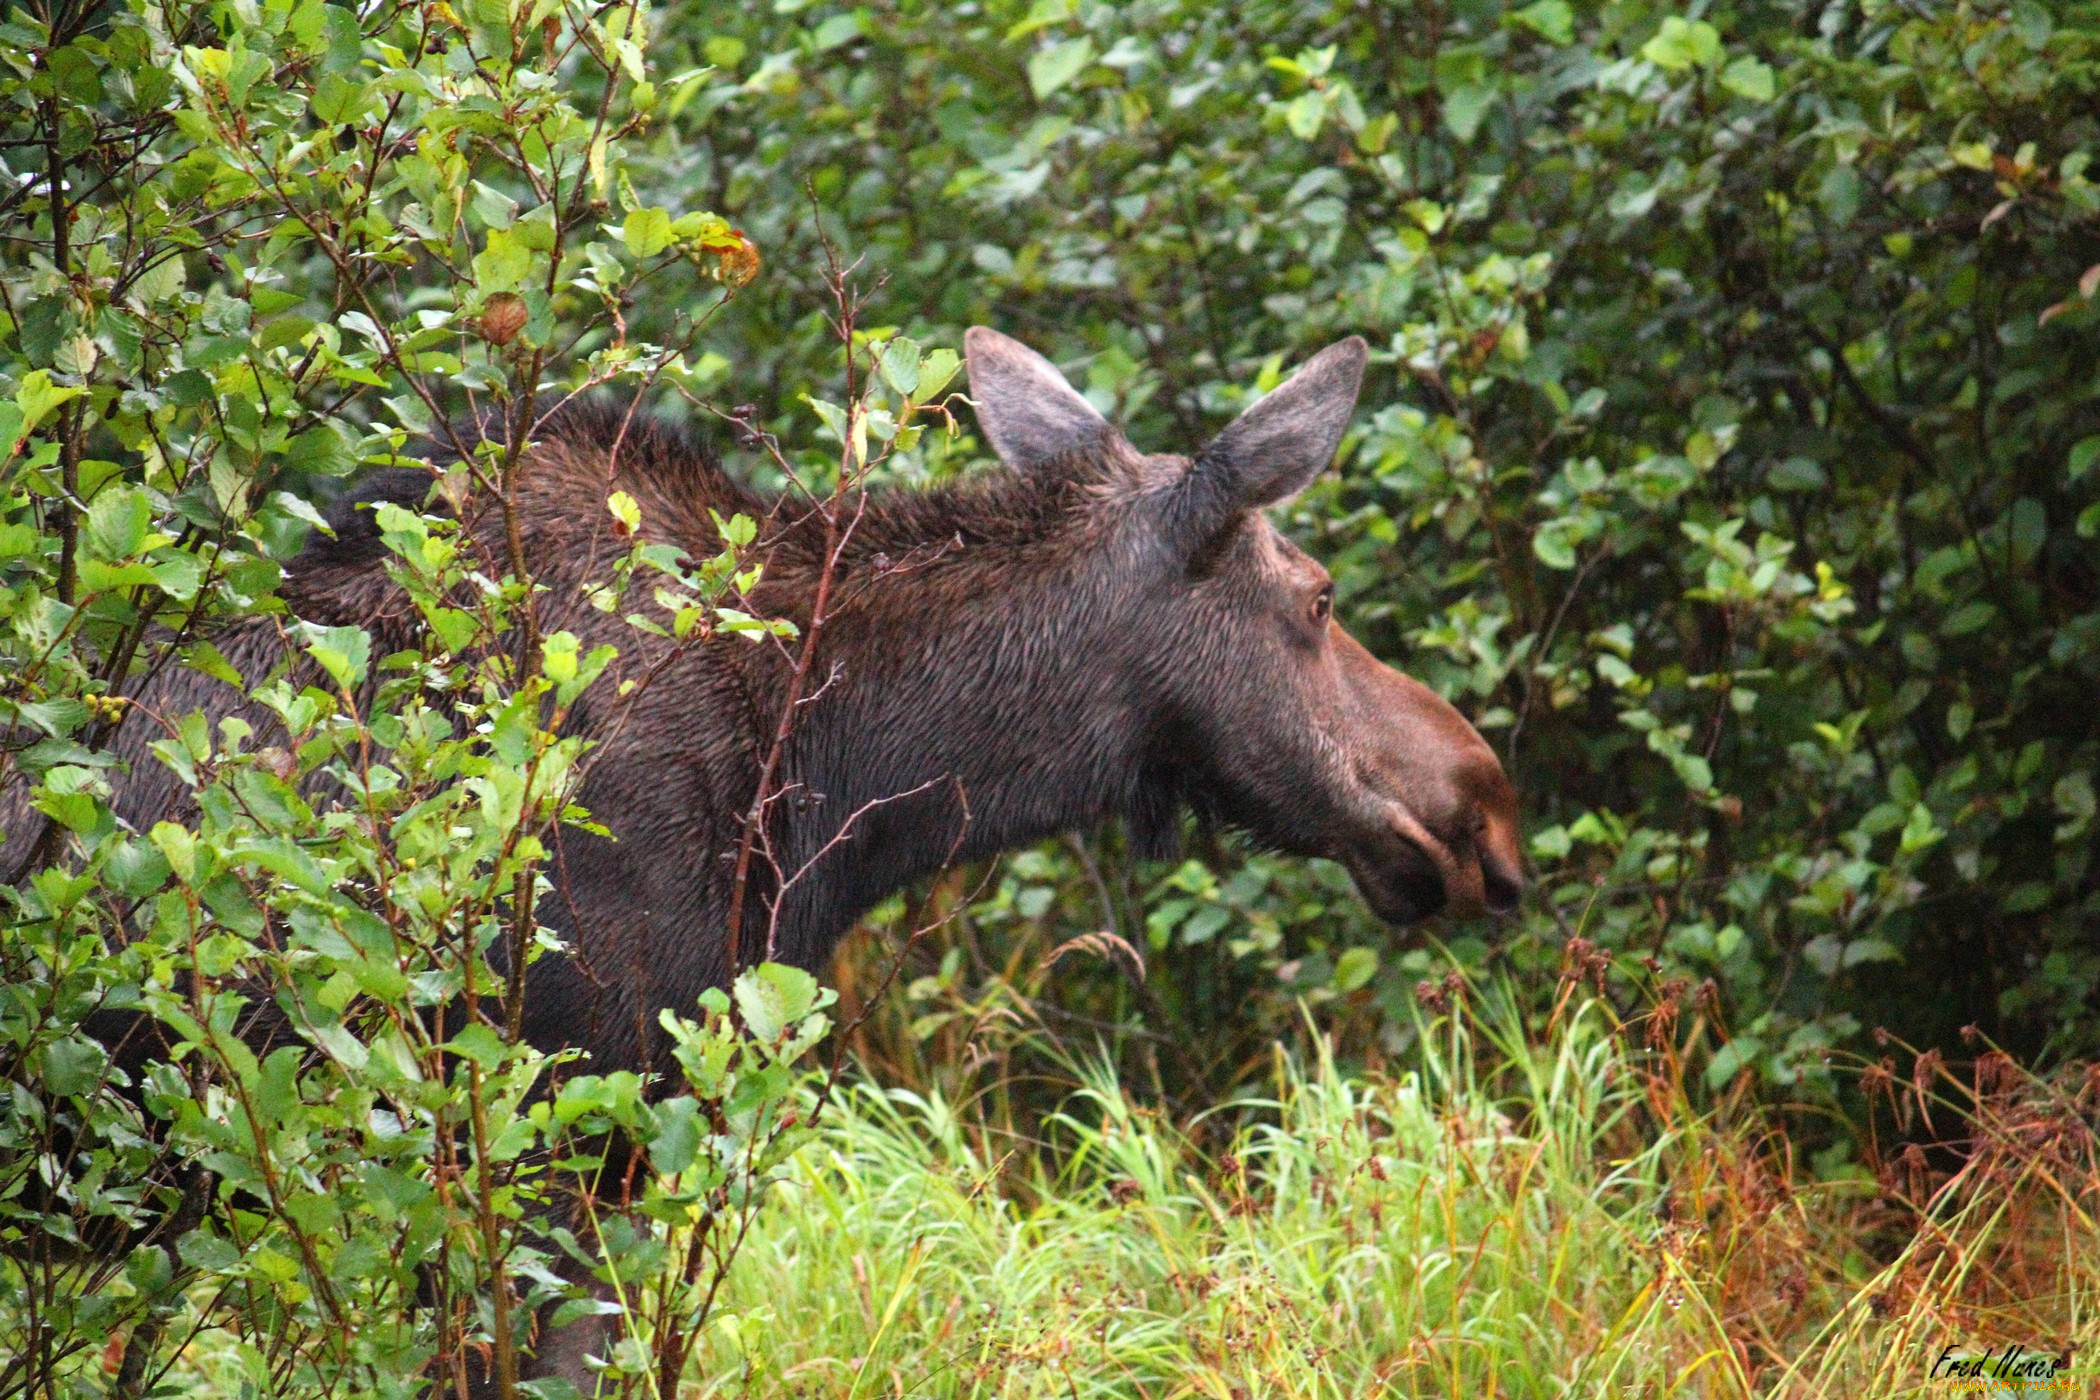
<point x="1323" y="605"/>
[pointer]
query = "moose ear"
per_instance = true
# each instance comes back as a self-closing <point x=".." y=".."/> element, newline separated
<point x="1277" y="447"/>
<point x="1029" y="412"/>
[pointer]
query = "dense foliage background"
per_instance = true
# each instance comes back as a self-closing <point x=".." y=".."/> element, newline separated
<point x="1732" y="455"/>
<point x="1731" y="458"/>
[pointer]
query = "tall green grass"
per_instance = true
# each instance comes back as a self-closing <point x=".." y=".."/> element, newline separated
<point x="1522" y="1211"/>
<point x="1520" y="1215"/>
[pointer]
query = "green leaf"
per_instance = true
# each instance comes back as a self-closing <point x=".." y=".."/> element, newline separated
<point x="1919" y="832"/>
<point x="343" y="652"/>
<point x="341" y="101"/>
<point x="935" y="370"/>
<point x="479" y="1043"/>
<point x="1866" y="950"/>
<point x="284" y="859"/>
<point x="1204" y="924"/>
<point x="135" y="869"/>
<point x="1306" y="114"/>
<point x="98" y="577"/>
<point x="324" y="450"/>
<point x="677" y="1138"/>
<point x="1751" y="78"/>
<point x="1552" y="546"/>
<point x="558" y="656"/>
<point x="1976" y="155"/>
<point x="2028" y="529"/>
<point x="737" y="531"/>
<point x="55" y="718"/>
<point x="838" y="30"/>
<point x="830" y="415"/>
<point x="1161" y="922"/>
<point x="302" y="510"/>
<point x="203" y="657"/>
<point x="1681" y="44"/>
<point x="1798" y="474"/>
<point x="36" y="396"/>
<point x="1731" y="1059"/>
<point x="1354" y="968"/>
<point x="1041" y="15"/>
<point x="570" y="1310"/>
<point x="160" y="280"/>
<point x="147" y="1271"/>
<point x="1466" y="108"/>
<point x="1839" y="192"/>
<point x="200" y="1249"/>
<point x="268" y="301"/>
<point x="284" y="331"/>
<point x="1969" y="617"/>
<point x="647" y="232"/>
<point x="2083" y="455"/>
<point x="493" y="207"/>
<point x="72" y="1066"/>
<point x="1553" y="20"/>
<point x="2028" y="896"/>
<point x="772" y="997"/>
<point x="504" y="262"/>
<point x="1051" y="68"/>
<point x="455" y="629"/>
<point x="900" y="364"/>
<point x="118" y="521"/>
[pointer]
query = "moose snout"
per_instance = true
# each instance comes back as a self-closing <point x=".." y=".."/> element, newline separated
<point x="1484" y="864"/>
<point x="1466" y="864"/>
<point x="1442" y="827"/>
<point x="1461" y="859"/>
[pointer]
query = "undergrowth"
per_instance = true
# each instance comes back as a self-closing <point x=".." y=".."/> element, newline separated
<point x="1559" y="1210"/>
<point x="1517" y="1214"/>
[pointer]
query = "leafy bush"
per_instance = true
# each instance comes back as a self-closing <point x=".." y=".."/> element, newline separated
<point x="267" y="1078"/>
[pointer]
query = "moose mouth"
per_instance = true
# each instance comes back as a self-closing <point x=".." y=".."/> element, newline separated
<point x="1401" y="884"/>
<point x="1406" y="874"/>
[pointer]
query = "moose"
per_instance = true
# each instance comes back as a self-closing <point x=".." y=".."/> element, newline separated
<point x="1092" y="633"/>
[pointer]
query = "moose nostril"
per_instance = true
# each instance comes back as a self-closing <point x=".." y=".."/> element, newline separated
<point x="1494" y="850"/>
<point x="1500" y="887"/>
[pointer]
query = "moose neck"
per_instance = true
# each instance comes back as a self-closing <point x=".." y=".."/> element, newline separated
<point x="966" y="709"/>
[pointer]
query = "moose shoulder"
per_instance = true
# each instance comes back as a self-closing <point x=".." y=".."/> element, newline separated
<point x="1093" y="633"/>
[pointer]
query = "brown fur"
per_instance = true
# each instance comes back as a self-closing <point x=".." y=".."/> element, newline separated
<point x="1023" y="653"/>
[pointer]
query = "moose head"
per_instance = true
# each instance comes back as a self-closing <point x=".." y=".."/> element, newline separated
<point x="1257" y="707"/>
